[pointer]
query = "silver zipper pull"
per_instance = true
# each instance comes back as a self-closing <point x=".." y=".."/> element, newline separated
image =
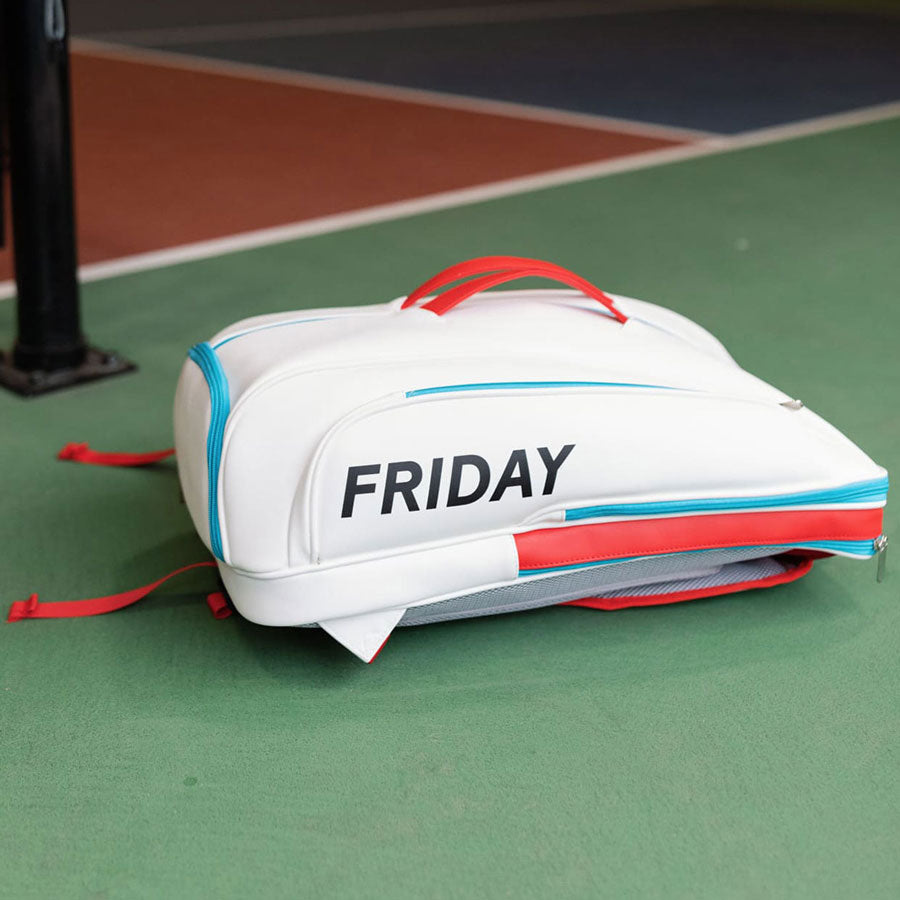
<point x="792" y="404"/>
<point x="881" y="543"/>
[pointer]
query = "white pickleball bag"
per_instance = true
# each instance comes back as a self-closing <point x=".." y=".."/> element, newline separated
<point x="458" y="453"/>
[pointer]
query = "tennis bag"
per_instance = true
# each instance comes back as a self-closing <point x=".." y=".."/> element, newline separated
<point x="457" y="453"/>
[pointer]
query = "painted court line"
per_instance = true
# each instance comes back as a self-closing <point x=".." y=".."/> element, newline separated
<point x="467" y="196"/>
<point x="311" y="80"/>
<point x="383" y="21"/>
<point x="371" y="215"/>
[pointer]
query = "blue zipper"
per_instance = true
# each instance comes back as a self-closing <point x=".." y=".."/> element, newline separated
<point x="874" y="491"/>
<point x="241" y="334"/>
<point x="520" y="385"/>
<point x="856" y="548"/>
<point x="220" y="405"/>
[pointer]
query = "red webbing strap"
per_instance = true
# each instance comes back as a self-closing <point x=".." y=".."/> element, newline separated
<point x="450" y="298"/>
<point x="82" y="453"/>
<point x="68" y="609"/>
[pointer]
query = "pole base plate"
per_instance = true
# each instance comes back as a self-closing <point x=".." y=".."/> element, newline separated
<point x="97" y="364"/>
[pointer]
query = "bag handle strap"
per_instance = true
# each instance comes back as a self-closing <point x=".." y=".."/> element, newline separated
<point x="496" y="270"/>
<point x="448" y="299"/>
<point x="32" y="608"/>
<point x="480" y="265"/>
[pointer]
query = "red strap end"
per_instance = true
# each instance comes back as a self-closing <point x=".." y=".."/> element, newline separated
<point x="73" y="452"/>
<point x="23" y="609"/>
<point x="218" y="605"/>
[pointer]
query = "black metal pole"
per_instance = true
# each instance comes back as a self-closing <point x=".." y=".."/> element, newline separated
<point x="50" y="351"/>
<point x="43" y="208"/>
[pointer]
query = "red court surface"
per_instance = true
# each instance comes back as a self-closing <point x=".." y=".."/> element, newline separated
<point x="166" y="156"/>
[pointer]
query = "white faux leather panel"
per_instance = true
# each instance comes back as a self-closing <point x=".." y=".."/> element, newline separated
<point x="549" y="328"/>
<point x="627" y="446"/>
<point x="394" y="582"/>
<point x="191" y="415"/>
<point x="305" y="386"/>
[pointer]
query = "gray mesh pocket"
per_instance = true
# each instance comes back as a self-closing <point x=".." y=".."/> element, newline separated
<point x="640" y="577"/>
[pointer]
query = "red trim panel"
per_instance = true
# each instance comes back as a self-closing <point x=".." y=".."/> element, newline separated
<point x="611" y="603"/>
<point x="569" y="545"/>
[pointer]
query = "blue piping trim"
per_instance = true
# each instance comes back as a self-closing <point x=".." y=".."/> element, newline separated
<point x="518" y="385"/>
<point x="859" y="492"/>
<point x="857" y="548"/>
<point x="220" y="405"/>
<point x="241" y="334"/>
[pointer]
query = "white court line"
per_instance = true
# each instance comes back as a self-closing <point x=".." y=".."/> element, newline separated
<point x="384" y="21"/>
<point x="450" y="199"/>
<point x="371" y="215"/>
<point x="311" y="80"/>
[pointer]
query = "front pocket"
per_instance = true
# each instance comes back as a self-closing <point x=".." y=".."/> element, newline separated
<point x="465" y="460"/>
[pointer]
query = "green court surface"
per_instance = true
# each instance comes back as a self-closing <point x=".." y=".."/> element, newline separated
<point x="745" y="746"/>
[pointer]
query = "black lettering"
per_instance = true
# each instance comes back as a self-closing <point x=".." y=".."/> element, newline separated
<point x="354" y="488"/>
<point x="392" y="486"/>
<point x="484" y="477"/>
<point x="434" y="484"/>
<point x="552" y="465"/>
<point x="518" y="461"/>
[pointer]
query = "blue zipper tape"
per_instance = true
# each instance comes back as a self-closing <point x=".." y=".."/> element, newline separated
<point x="874" y="491"/>
<point x="241" y="334"/>
<point x="220" y="405"/>
<point x="520" y="385"/>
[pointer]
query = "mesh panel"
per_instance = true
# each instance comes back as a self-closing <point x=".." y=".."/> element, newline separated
<point x="734" y="573"/>
<point x="658" y="575"/>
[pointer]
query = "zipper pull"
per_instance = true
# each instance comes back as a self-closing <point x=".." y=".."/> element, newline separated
<point x="792" y="404"/>
<point x="881" y="543"/>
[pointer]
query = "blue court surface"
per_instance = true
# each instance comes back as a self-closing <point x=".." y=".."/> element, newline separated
<point x="709" y="68"/>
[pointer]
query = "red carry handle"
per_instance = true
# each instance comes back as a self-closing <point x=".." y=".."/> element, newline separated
<point x="453" y="297"/>
<point x="497" y="270"/>
<point x="480" y="265"/>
